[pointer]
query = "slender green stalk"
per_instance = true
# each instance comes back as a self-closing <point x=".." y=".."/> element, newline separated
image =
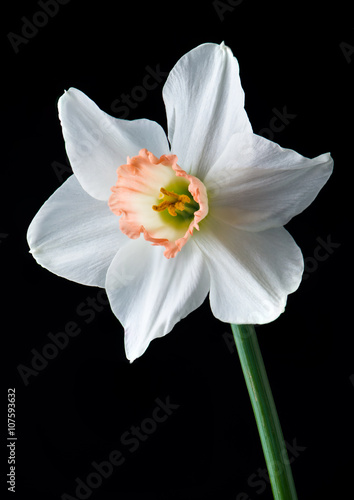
<point x="265" y="412"/>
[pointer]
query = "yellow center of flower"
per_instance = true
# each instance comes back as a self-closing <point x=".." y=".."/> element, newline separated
<point x="172" y="201"/>
<point x="166" y="215"/>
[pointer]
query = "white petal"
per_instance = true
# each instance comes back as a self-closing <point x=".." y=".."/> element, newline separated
<point x="205" y="105"/>
<point x="97" y="143"/>
<point x="251" y="273"/>
<point x="75" y="236"/>
<point x="149" y="294"/>
<point x="256" y="184"/>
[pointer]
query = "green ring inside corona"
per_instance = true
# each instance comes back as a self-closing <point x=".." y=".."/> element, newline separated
<point x="184" y="217"/>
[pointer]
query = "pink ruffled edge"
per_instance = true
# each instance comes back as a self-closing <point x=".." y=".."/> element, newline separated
<point x="131" y="227"/>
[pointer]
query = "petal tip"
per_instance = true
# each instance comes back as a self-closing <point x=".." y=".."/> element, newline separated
<point x="68" y="93"/>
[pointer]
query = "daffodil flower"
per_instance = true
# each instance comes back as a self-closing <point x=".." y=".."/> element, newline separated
<point x="161" y="222"/>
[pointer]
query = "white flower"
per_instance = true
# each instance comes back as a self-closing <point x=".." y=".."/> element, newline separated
<point x="211" y="208"/>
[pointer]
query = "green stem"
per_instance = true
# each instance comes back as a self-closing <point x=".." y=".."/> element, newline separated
<point x="265" y="412"/>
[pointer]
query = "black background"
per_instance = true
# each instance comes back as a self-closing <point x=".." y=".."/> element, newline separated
<point x="75" y="410"/>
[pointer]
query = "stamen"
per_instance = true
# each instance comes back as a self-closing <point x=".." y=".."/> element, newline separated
<point x="172" y="206"/>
